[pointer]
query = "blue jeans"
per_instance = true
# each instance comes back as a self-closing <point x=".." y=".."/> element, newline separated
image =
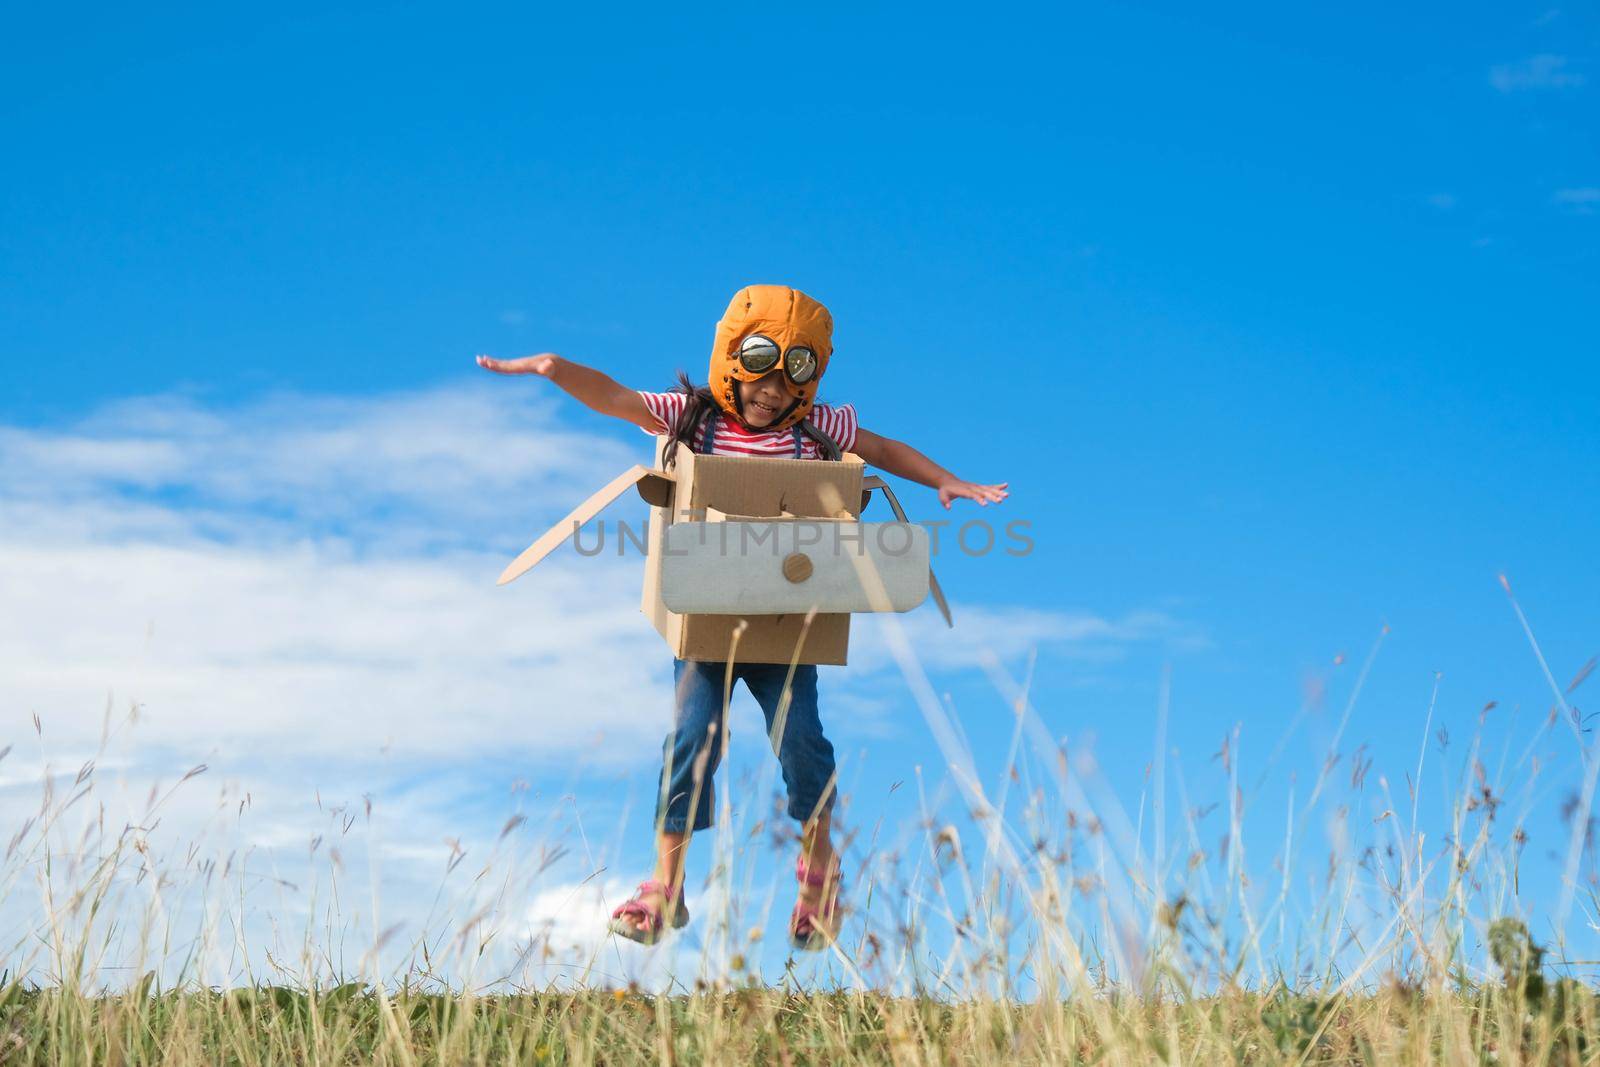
<point x="694" y="747"/>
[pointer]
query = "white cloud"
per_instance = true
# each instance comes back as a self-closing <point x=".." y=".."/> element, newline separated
<point x="982" y="631"/>
<point x="380" y="470"/>
<point x="566" y="925"/>
<point x="1543" y="71"/>
<point x="309" y="574"/>
<point x="1584" y="201"/>
<point x="307" y="648"/>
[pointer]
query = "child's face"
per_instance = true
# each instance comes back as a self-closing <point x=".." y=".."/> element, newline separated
<point x="764" y="399"/>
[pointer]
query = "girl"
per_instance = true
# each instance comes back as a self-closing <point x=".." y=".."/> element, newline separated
<point x="771" y="349"/>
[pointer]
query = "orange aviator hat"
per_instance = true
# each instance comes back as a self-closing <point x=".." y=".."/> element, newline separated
<point x="798" y="336"/>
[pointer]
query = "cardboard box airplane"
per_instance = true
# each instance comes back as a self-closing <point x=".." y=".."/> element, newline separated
<point x="770" y="553"/>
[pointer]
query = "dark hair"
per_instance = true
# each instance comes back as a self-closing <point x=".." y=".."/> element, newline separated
<point x="702" y="406"/>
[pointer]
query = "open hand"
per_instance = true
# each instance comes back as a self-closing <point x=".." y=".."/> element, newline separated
<point x="542" y="364"/>
<point x="983" y="494"/>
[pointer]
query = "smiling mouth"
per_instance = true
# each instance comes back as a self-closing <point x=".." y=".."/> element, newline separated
<point x="765" y="409"/>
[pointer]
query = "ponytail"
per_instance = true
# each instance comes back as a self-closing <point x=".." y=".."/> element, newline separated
<point x="700" y="407"/>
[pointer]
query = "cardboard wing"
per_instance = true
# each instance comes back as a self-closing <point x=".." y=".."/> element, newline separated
<point x="654" y="485"/>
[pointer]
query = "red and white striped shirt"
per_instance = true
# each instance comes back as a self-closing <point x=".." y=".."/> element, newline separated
<point x="729" y="438"/>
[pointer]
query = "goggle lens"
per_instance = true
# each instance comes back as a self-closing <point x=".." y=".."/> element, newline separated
<point x="758" y="354"/>
<point x="800" y="364"/>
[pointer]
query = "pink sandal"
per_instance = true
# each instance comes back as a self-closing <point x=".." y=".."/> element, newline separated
<point x="636" y="907"/>
<point x="805" y="931"/>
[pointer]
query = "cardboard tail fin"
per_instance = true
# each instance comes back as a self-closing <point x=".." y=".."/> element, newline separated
<point x="871" y="482"/>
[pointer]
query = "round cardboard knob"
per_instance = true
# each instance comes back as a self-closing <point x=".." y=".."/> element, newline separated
<point x="797" y="567"/>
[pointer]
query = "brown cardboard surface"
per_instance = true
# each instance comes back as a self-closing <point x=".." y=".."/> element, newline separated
<point x="713" y="515"/>
<point x="752" y="487"/>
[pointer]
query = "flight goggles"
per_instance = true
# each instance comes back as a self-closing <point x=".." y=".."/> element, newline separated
<point x="758" y="355"/>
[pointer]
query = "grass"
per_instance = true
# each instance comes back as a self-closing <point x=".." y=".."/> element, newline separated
<point x="354" y="1025"/>
<point x="1049" y="925"/>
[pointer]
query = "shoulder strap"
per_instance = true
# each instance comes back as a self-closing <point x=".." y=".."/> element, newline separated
<point x="817" y="437"/>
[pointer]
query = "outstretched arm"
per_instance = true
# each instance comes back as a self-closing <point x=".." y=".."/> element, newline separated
<point x="901" y="459"/>
<point x="593" y="388"/>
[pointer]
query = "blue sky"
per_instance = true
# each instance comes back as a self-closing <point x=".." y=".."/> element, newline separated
<point x="1278" y="322"/>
